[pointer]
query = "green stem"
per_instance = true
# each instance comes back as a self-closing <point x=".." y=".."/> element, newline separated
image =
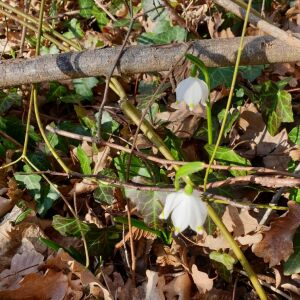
<point x="34" y="95"/>
<point x="147" y="129"/>
<point x="209" y="122"/>
<point x="234" y="77"/>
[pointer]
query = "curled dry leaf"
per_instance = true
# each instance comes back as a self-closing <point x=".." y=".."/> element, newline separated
<point x="277" y="243"/>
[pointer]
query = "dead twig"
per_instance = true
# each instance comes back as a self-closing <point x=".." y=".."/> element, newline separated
<point x="163" y="161"/>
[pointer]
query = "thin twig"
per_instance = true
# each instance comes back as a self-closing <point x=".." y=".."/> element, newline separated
<point x="166" y="188"/>
<point x="163" y="161"/>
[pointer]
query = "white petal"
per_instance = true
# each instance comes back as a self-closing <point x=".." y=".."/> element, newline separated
<point x="199" y="216"/>
<point x="180" y="218"/>
<point x="172" y="201"/>
<point x="192" y="91"/>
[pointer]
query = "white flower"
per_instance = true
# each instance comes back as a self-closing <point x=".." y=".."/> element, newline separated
<point x="192" y="91"/>
<point x="186" y="210"/>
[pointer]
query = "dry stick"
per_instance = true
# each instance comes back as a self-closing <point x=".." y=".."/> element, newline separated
<point x="163" y="161"/>
<point x="211" y="197"/>
<point x="266" y="181"/>
<point x="265" y="26"/>
<point x="143" y="59"/>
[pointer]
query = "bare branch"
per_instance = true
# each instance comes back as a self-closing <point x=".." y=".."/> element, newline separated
<point x="140" y="59"/>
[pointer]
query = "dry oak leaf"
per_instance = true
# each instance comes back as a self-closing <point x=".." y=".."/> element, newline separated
<point x="277" y="243"/>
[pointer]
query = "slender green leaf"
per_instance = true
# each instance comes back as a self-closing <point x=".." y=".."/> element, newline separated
<point x="85" y="161"/>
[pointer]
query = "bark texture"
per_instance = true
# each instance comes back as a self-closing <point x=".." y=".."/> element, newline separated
<point x="140" y="59"/>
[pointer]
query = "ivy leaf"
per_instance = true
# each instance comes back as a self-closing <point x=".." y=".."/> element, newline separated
<point x="149" y="204"/>
<point x="83" y="86"/>
<point x="104" y="194"/>
<point x="223" y="76"/>
<point x="44" y="194"/>
<point x="108" y="124"/>
<point x="88" y="9"/>
<point x="233" y="115"/>
<point x="100" y="241"/>
<point x="31" y="182"/>
<point x="75" y="31"/>
<point x="275" y="105"/>
<point x="137" y="166"/>
<point x="229" y="157"/>
<point x="225" y="259"/>
<point x="69" y="226"/>
<point x="8" y="100"/>
<point x="294" y="135"/>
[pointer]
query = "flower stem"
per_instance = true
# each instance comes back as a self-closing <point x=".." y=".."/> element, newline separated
<point x="209" y="122"/>
<point x="147" y="129"/>
<point x="234" y="77"/>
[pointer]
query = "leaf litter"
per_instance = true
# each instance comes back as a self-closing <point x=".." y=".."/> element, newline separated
<point x="42" y="244"/>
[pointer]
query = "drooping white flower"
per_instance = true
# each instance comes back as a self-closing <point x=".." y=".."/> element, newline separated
<point x="185" y="210"/>
<point x="193" y="91"/>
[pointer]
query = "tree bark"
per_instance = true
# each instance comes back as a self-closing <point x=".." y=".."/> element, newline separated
<point x="142" y="59"/>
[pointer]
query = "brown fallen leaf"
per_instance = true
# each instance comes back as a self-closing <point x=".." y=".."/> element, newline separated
<point x="214" y="243"/>
<point x="21" y="264"/>
<point x="152" y="287"/>
<point x="53" y="286"/>
<point x="277" y="243"/>
<point x="64" y="261"/>
<point x="250" y="239"/>
<point x="182" y="122"/>
<point x="179" y="287"/>
<point x="259" y="142"/>
<point x="240" y="223"/>
<point x="201" y="280"/>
